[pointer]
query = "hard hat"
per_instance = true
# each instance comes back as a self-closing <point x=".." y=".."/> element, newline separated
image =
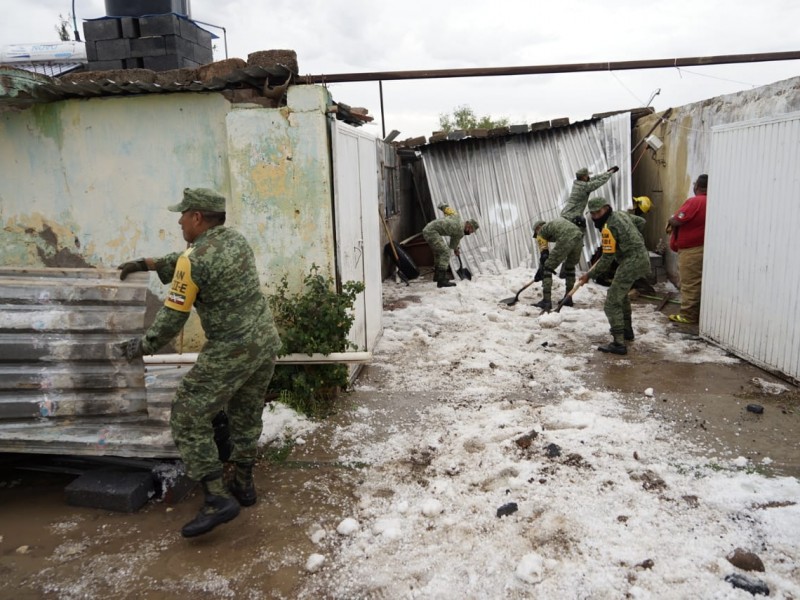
<point x="643" y="202"/>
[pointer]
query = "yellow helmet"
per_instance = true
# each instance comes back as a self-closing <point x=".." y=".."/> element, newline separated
<point x="643" y="202"/>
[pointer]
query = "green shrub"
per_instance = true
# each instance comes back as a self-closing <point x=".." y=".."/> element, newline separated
<point x="316" y="320"/>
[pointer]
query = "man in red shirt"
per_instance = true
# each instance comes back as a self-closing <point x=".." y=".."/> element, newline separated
<point x="688" y="235"/>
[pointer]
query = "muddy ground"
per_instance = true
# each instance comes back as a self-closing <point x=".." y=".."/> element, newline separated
<point x="51" y="550"/>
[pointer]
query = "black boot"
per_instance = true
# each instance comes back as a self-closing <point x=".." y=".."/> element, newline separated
<point x="242" y="486"/>
<point x="544" y="304"/>
<point x="566" y="301"/>
<point x="219" y="507"/>
<point x="442" y="280"/>
<point x="617" y="346"/>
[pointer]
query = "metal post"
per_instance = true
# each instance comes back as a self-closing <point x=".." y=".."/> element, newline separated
<point x="75" y="24"/>
<point x="383" y="119"/>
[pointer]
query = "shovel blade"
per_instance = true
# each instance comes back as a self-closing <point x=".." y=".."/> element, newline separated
<point x="510" y="301"/>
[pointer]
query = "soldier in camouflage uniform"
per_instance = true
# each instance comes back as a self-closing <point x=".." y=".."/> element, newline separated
<point x="581" y="188"/>
<point x="217" y="275"/>
<point x="450" y="226"/>
<point x="622" y="240"/>
<point x="568" y="240"/>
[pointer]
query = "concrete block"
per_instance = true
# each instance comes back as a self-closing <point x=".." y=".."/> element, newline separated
<point x="130" y="27"/>
<point x="111" y="489"/>
<point x="562" y="122"/>
<point x="188" y="30"/>
<point x="172" y="484"/>
<point x="163" y="63"/>
<point x="518" y="129"/>
<point x="175" y="44"/>
<point x="106" y="65"/>
<point x="91" y="52"/>
<point x="540" y="125"/>
<point x="134" y="63"/>
<point x="101" y="29"/>
<point x="203" y="55"/>
<point x="148" y="46"/>
<point x="160" y="25"/>
<point x="118" y="49"/>
<point x="204" y="38"/>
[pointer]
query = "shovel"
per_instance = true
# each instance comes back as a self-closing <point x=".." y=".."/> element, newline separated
<point x="574" y="289"/>
<point x="462" y="272"/>
<point x="513" y="301"/>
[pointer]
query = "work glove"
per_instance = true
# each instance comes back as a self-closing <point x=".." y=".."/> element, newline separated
<point x="614" y="169"/>
<point x="130" y="349"/>
<point x="132" y="266"/>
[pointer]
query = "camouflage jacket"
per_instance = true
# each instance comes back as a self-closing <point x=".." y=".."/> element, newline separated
<point x="217" y="275"/>
<point x="451" y="226"/>
<point x="579" y="196"/>
<point x="621" y="240"/>
<point x="555" y="231"/>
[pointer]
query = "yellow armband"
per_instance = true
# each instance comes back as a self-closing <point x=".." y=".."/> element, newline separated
<point x="182" y="291"/>
<point x="542" y="243"/>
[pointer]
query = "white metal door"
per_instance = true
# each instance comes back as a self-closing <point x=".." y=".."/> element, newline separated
<point x="355" y="184"/>
<point x="751" y="289"/>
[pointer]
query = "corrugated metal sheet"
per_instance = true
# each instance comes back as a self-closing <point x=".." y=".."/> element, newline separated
<point x="63" y="388"/>
<point x="509" y="183"/>
<point x="751" y="289"/>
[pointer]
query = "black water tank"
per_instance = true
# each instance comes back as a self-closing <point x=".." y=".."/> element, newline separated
<point x="138" y="8"/>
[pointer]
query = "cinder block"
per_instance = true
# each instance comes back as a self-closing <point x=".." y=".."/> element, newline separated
<point x="172" y="484"/>
<point x="202" y="55"/>
<point x="134" y="63"/>
<point x="106" y="65"/>
<point x="188" y="30"/>
<point x="163" y="63"/>
<point x="118" y="49"/>
<point x="175" y="44"/>
<point x="111" y="489"/>
<point x="148" y="46"/>
<point x="204" y="38"/>
<point x="159" y="25"/>
<point x="129" y="27"/>
<point x="91" y="51"/>
<point x="101" y="29"/>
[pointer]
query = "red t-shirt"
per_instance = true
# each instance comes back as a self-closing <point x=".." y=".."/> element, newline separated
<point x="692" y="218"/>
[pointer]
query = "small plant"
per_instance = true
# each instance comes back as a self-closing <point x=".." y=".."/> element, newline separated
<point x="316" y="320"/>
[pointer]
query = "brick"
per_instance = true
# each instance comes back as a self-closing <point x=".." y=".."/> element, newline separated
<point x="148" y="46"/>
<point x="101" y="29"/>
<point x="159" y="25"/>
<point x="106" y="65"/>
<point x="111" y="489"/>
<point x="113" y="49"/>
<point x="130" y="27"/>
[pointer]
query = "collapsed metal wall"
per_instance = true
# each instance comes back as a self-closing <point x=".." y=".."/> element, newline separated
<point x="751" y="291"/>
<point x="509" y="183"/>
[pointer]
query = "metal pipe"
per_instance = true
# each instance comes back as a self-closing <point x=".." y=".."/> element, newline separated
<point x="75" y="23"/>
<point x="383" y="119"/>
<point x="289" y="359"/>
<point x="549" y="69"/>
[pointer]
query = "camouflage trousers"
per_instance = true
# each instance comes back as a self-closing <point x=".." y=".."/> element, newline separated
<point x="230" y="377"/>
<point x="618" y="304"/>
<point x="441" y="251"/>
<point x="568" y="252"/>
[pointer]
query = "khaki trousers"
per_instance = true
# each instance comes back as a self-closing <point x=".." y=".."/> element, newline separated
<point x="690" y="266"/>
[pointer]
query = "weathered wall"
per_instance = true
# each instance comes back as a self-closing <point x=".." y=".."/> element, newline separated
<point x="666" y="176"/>
<point x="281" y="174"/>
<point x="86" y="182"/>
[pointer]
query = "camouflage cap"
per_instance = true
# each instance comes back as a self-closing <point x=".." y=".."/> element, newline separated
<point x="474" y="224"/>
<point x="581" y="172"/>
<point x="597" y="203"/>
<point x="537" y="225"/>
<point x="200" y="199"/>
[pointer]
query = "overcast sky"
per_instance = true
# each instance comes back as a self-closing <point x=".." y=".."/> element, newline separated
<point x="334" y="36"/>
